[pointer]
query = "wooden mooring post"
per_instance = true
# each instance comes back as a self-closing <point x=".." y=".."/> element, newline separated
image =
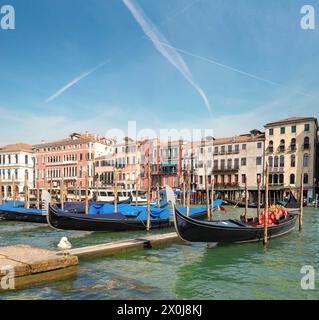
<point x="266" y="205"/>
<point x="13" y="190"/>
<point x="246" y="200"/>
<point x="207" y="194"/>
<point x="86" y="193"/>
<point x="26" y="191"/>
<point x="149" y="186"/>
<point x="1" y="196"/>
<point x="38" y="196"/>
<point x="301" y="201"/>
<point x="115" y="189"/>
<point x="213" y="196"/>
<point x="259" y="198"/>
<point x="62" y="191"/>
<point x="188" y="193"/>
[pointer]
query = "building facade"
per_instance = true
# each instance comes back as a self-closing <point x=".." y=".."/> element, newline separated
<point x="70" y="159"/>
<point x="125" y="160"/>
<point x="290" y="152"/>
<point x="17" y="161"/>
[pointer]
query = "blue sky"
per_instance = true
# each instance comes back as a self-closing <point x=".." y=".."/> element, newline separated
<point x="58" y="41"/>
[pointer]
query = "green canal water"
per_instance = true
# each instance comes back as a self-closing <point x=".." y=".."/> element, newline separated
<point x="178" y="271"/>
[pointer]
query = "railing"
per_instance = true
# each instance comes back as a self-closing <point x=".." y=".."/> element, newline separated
<point x="306" y="146"/>
<point x="276" y="169"/>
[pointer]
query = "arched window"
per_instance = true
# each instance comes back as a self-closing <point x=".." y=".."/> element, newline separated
<point x="292" y="179"/>
<point x="281" y="179"/>
<point x="293" y="161"/>
<point x="17" y="158"/>
<point x="293" y="145"/>
<point x="271" y="146"/>
<point x="282" y="145"/>
<point x="276" y="162"/>
<point x="306" y="144"/>
<point x="282" y="161"/>
<point x="271" y="162"/>
<point x="306" y="178"/>
<point x="276" y="178"/>
<point x="270" y="179"/>
<point x="306" y="160"/>
<point x="26" y="159"/>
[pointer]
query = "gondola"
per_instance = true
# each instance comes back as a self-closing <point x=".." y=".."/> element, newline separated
<point x="22" y="214"/>
<point x="241" y="204"/>
<point x="227" y="231"/>
<point x="59" y="219"/>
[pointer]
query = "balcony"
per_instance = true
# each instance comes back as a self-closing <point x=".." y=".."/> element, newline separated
<point x="292" y="148"/>
<point x="270" y="150"/>
<point x="62" y="163"/>
<point x="226" y="169"/>
<point x="281" y="148"/>
<point x="276" y="170"/>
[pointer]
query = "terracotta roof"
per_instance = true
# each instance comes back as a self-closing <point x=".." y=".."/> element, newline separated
<point x="17" y="147"/>
<point x="292" y="120"/>
<point x="76" y="139"/>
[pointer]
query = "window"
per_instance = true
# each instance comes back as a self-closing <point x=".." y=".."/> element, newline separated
<point x="281" y="178"/>
<point x="275" y="178"/>
<point x="259" y="145"/>
<point x="222" y="164"/>
<point x="282" y="145"/>
<point x="293" y="144"/>
<point x="215" y="164"/>
<point x="229" y="163"/>
<point x="293" y="161"/>
<point x="258" y="161"/>
<point x="282" y="161"/>
<point x="223" y="150"/>
<point x="306" y="143"/>
<point x="230" y="149"/>
<point x="306" y="178"/>
<point x="258" y="178"/>
<point x="276" y="162"/>
<point x="271" y="146"/>
<point x="270" y="179"/>
<point x="244" y="146"/>
<point x="292" y="179"/>
<point x="271" y="132"/>
<point x="216" y="150"/>
<point x="282" y="130"/>
<point x="237" y="148"/>
<point x="271" y="162"/>
<point x="293" y="129"/>
<point x="243" y="161"/>
<point x="307" y="127"/>
<point x="243" y="178"/>
<point x="236" y="165"/>
<point x="306" y="160"/>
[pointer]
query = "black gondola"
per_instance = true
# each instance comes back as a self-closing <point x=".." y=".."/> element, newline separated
<point x="26" y="215"/>
<point x="241" y="204"/>
<point x="227" y="230"/>
<point x="104" y="222"/>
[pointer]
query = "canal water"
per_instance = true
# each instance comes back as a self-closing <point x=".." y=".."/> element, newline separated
<point x="178" y="271"/>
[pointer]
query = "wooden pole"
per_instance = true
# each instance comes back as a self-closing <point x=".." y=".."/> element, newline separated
<point x="157" y="195"/>
<point x="62" y="192"/>
<point x="266" y="205"/>
<point x="115" y="190"/>
<point x="184" y="193"/>
<point x="26" y="191"/>
<point x="301" y="201"/>
<point x="13" y="191"/>
<point x="1" y="196"/>
<point x="38" y="195"/>
<point x="207" y="194"/>
<point x="188" y="193"/>
<point x="213" y="196"/>
<point x="148" y="227"/>
<point x="259" y="199"/>
<point x="86" y="194"/>
<point x="246" y="199"/>
<point x="136" y="192"/>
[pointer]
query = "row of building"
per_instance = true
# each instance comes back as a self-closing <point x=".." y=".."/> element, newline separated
<point x="290" y="146"/>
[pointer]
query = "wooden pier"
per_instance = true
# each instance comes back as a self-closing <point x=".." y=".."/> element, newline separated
<point x="34" y="265"/>
<point x="123" y="246"/>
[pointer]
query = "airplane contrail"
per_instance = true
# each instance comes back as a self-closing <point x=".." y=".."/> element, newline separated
<point x="152" y="32"/>
<point x="74" y="81"/>
<point x="250" y="75"/>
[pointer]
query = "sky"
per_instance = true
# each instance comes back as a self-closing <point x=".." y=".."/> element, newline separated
<point x="226" y="65"/>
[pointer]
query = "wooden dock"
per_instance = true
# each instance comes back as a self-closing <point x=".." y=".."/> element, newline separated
<point x="34" y="265"/>
<point x="26" y="261"/>
<point x="123" y="246"/>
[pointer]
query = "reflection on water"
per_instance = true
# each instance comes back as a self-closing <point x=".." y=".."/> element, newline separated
<point x="179" y="271"/>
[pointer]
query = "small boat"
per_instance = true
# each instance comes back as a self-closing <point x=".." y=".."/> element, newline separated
<point x="121" y="221"/>
<point x="230" y="230"/>
<point x="242" y="204"/>
<point x="10" y="213"/>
